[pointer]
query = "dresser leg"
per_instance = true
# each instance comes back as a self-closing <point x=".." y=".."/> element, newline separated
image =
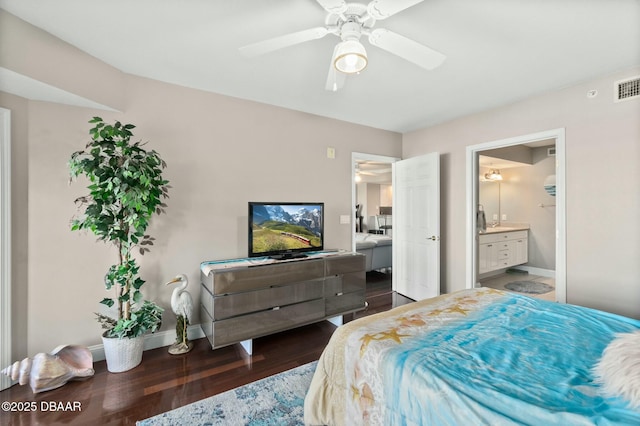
<point x="247" y="345"/>
<point x="337" y="321"/>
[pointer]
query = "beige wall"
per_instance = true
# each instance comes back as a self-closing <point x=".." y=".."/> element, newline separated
<point x="603" y="176"/>
<point x="521" y="193"/>
<point x="221" y="153"/>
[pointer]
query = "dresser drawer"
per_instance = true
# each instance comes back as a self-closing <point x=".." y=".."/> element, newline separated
<point x="264" y="276"/>
<point x="488" y="238"/>
<point x="344" y="284"/>
<point x="250" y="326"/>
<point x="206" y="324"/>
<point x="344" y="264"/>
<point x="502" y="236"/>
<point x="345" y="302"/>
<point x="221" y="307"/>
<point x="513" y="235"/>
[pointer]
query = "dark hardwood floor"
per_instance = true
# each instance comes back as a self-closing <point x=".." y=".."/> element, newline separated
<point x="164" y="382"/>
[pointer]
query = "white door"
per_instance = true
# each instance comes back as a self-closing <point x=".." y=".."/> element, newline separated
<point x="416" y="226"/>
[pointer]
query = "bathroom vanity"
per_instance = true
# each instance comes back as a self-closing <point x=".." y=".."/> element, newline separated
<point x="501" y="248"/>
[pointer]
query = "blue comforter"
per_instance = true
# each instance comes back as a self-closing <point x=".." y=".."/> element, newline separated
<point x="475" y="357"/>
<point x="518" y="360"/>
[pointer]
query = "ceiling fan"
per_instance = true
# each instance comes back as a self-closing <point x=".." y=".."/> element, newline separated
<point x="350" y="21"/>
<point x="372" y="168"/>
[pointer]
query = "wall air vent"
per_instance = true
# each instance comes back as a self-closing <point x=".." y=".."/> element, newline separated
<point x="551" y="152"/>
<point x="627" y="89"/>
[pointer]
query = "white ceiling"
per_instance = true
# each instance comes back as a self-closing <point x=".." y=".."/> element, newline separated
<point x="374" y="171"/>
<point x="498" y="51"/>
<point x="498" y="163"/>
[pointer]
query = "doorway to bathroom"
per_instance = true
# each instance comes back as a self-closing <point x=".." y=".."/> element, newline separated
<point x="519" y="185"/>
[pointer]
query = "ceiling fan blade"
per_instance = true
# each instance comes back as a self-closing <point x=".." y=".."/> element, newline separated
<point x="280" y="42"/>
<point x="335" y="79"/>
<point x="408" y="49"/>
<point x="382" y="9"/>
<point x="336" y="7"/>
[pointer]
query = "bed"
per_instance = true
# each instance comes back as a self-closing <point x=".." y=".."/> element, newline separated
<point x="377" y="250"/>
<point x="474" y="357"/>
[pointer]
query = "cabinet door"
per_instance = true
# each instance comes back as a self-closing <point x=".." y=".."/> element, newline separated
<point x="521" y="251"/>
<point x="483" y="257"/>
<point x="487" y="257"/>
<point x="494" y="256"/>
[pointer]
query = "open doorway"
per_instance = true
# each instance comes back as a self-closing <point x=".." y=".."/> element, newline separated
<point x="516" y="247"/>
<point x="372" y="231"/>
<point x="374" y="196"/>
<point x="505" y="216"/>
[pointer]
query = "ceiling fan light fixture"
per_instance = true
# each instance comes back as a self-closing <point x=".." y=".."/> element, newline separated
<point x="351" y="57"/>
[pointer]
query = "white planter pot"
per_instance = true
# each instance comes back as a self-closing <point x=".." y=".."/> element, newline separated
<point x="122" y="354"/>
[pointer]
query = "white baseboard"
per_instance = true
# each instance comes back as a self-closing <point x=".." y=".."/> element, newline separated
<point x="549" y="273"/>
<point x="491" y="274"/>
<point x="153" y="341"/>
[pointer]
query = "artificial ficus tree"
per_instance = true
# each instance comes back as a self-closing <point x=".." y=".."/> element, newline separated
<point x="126" y="189"/>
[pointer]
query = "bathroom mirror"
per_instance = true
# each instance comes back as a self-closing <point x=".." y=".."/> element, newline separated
<point x="489" y="197"/>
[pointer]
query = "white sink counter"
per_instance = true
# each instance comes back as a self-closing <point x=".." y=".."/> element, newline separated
<point x="505" y="228"/>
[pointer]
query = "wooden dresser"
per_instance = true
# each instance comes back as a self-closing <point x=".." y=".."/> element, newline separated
<point x="242" y="299"/>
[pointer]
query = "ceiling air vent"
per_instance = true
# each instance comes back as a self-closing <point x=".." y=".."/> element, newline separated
<point x="627" y="89"/>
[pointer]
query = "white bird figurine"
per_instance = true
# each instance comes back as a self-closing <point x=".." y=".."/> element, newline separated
<point x="181" y="305"/>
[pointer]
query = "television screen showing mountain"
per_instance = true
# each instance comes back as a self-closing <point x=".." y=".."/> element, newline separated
<point x="283" y="227"/>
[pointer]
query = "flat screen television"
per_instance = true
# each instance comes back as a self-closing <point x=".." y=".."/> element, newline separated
<point x="285" y="230"/>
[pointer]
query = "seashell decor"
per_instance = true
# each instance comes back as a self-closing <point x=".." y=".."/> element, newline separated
<point x="48" y="371"/>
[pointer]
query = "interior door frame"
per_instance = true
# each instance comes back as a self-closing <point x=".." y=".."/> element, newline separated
<point x="5" y="243"/>
<point x="368" y="157"/>
<point x="472" y="201"/>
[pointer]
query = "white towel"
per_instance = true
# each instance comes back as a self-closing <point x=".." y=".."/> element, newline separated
<point x="481" y="220"/>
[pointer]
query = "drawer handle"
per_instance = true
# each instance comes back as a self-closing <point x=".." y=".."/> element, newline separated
<point x="339" y="294"/>
<point x="276" y="308"/>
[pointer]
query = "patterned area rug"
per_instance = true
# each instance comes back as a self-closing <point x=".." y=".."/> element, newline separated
<point x="275" y="400"/>
<point x="529" y="287"/>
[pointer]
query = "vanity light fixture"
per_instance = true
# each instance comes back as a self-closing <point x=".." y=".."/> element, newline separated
<point x="494" y="174"/>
